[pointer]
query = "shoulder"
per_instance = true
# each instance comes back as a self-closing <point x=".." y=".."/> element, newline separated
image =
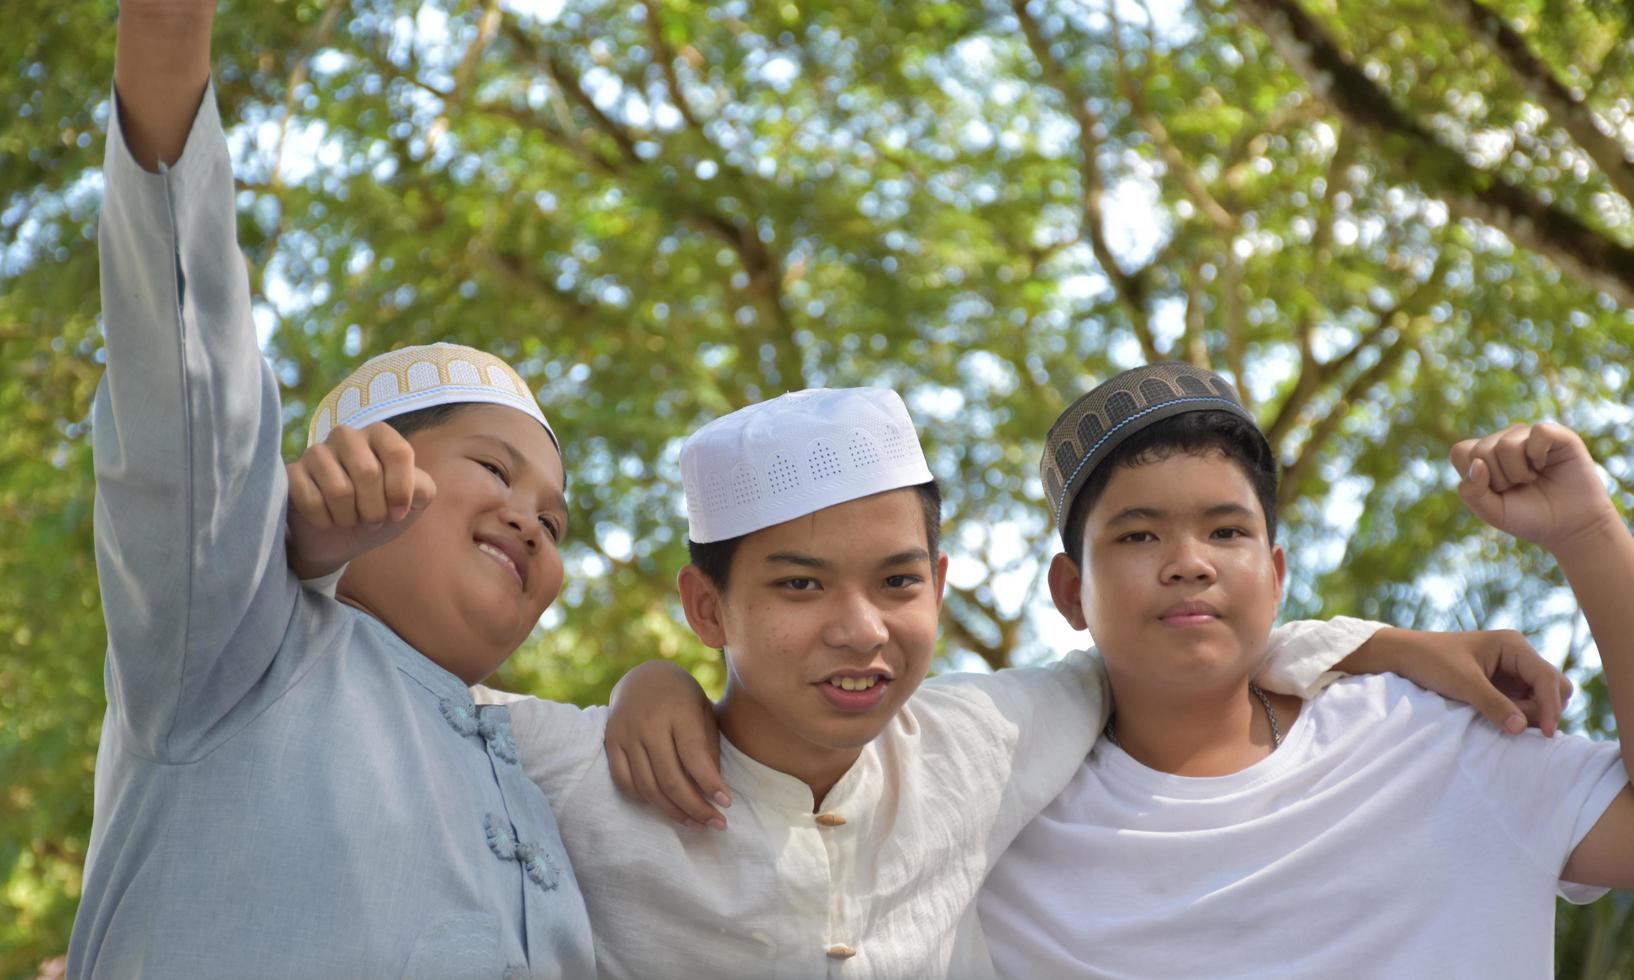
<point x="535" y="718"/>
<point x="1076" y="682"/>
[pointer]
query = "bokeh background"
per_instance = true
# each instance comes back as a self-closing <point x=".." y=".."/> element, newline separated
<point x="1392" y="222"/>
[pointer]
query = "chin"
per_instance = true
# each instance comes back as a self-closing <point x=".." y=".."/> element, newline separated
<point x="854" y="733"/>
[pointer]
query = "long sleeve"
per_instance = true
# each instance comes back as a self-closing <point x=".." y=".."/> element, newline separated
<point x="1300" y="657"/>
<point x="190" y="481"/>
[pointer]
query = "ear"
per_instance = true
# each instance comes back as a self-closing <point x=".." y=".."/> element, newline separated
<point x="1066" y="588"/>
<point x="940" y="577"/>
<point x="702" y="604"/>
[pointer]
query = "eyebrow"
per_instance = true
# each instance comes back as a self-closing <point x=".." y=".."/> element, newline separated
<point x="1131" y="514"/>
<point x="553" y="497"/>
<point x="910" y="557"/>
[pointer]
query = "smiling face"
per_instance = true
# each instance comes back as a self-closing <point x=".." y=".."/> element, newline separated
<point x="829" y="625"/>
<point x="471" y="578"/>
<point x="1180" y="582"/>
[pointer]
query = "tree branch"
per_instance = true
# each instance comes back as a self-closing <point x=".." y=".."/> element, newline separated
<point x="1556" y="98"/>
<point x="1173" y="160"/>
<point x="665" y="58"/>
<point x="1295" y="473"/>
<point x="568" y="84"/>
<point x="464" y="72"/>
<point x="996" y="655"/>
<point x="1131" y="288"/>
<point x="1468" y="191"/>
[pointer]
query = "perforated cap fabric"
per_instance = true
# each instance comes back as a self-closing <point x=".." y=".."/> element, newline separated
<point x="794" y="455"/>
<point x="407" y="380"/>
<point x="1096" y="424"/>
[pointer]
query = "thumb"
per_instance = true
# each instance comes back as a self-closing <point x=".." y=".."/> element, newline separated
<point x="425" y="490"/>
<point x="1496" y="706"/>
<point x="1476" y="491"/>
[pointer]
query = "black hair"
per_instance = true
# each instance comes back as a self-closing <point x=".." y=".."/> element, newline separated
<point x="425" y="418"/>
<point x="1194" y="432"/>
<point x="715" y="558"/>
<point x="429" y="418"/>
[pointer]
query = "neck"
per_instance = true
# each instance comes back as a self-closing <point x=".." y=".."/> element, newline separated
<point x="766" y="740"/>
<point x="1213" y="732"/>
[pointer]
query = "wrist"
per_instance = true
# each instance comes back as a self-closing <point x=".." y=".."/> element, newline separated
<point x="1377" y="653"/>
<point x="1589" y="542"/>
<point x="307" y="568"/>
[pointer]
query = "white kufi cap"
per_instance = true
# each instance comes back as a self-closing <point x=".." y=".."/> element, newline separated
<point x="412" y="378"/>
<point x="794" y="455"/>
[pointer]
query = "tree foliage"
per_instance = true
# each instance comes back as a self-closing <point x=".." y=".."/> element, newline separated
<point x="1393" y="222"/>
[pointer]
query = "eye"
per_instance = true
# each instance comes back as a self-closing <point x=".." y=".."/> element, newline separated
<point x="552" y="527"/>
<point x="1228" y="533"/>
<point x="902" y="581"/>
<point x="496" y="470"/>
<point x="799" y="584"/>
<point x="1138" y="537"/>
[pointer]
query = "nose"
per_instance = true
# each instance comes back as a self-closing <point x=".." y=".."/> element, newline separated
<point x="856" y="624"/>
<point x="1188" y="561"/>
<point x="527" y="527"/>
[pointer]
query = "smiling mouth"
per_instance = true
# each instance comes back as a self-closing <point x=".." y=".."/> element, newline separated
<point x="854" y="683"/>
<point x="502" y="558"/>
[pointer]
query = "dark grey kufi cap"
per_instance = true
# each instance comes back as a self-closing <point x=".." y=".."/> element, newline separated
<point x="1096" y="424"/>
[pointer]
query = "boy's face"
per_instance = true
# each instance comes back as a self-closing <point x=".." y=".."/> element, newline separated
<point x="848" y="595"/>
<point x="471" y="578"/>
<point x="1179" y="583"/>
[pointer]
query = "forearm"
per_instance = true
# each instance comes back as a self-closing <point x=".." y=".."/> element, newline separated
<point x="1599" y="566"/>
<point x="161" y="66"/>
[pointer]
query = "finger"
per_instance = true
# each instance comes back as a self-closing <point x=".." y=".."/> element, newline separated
<point x="425" y="490"/>
<point x="333" y="483"/>
<point x="1511" y="459"/>
<point x="1461" y="455"/>
<point x="398" y="472"/>
<point x="701" y="759"/>
<point x="1486" y="452"/>
<point x="1542" y="679"/>
<point x="305" y="498"/>
<point x="357" y="456"/>
<point x="679" y="788"/>
<point x="1476" y="492"/>
<point x="1540" y="440"/>
<point x="646" y="786"/>
<point x="1495" y="705"/>
<point x="619" y="767"/>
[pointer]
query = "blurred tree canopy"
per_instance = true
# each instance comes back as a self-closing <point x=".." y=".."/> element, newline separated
<point x="1393" y="222"/>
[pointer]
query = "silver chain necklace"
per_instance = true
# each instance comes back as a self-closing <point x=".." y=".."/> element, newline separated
<point x="1270" y="715"/>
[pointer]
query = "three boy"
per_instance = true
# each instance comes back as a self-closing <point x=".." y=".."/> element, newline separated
<point x="268" y="754"/>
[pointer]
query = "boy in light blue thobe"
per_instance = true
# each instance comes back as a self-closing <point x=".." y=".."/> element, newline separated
<point x="285" y="786"/>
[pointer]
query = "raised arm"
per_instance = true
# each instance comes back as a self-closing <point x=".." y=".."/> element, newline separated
<point x="161" y="67"/>
<point x="1538" y="483"/>
<point x="185" y="432"/>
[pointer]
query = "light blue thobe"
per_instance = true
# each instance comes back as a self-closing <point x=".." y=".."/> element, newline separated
<point x="284" y="788"/>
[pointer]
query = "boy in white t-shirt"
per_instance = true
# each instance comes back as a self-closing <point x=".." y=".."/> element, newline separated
<point x="1222" y="830"/>
<point x="867" y="812"/>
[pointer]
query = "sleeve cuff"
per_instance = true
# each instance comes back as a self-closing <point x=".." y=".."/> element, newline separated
<point x="206" y="143"/>
<point x="324" y="585"/>
<point x="1302" y="654"/>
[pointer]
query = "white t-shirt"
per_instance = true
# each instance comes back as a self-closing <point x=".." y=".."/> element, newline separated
<point x="882" y="883"/>
<point x="1394" y="834"/>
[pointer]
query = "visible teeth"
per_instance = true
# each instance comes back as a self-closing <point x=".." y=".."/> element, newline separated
<point x="854" y="683"/>
<point x="487" y="548"/>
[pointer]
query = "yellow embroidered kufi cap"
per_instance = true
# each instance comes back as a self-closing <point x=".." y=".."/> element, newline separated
<point x="407" y="380"/>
